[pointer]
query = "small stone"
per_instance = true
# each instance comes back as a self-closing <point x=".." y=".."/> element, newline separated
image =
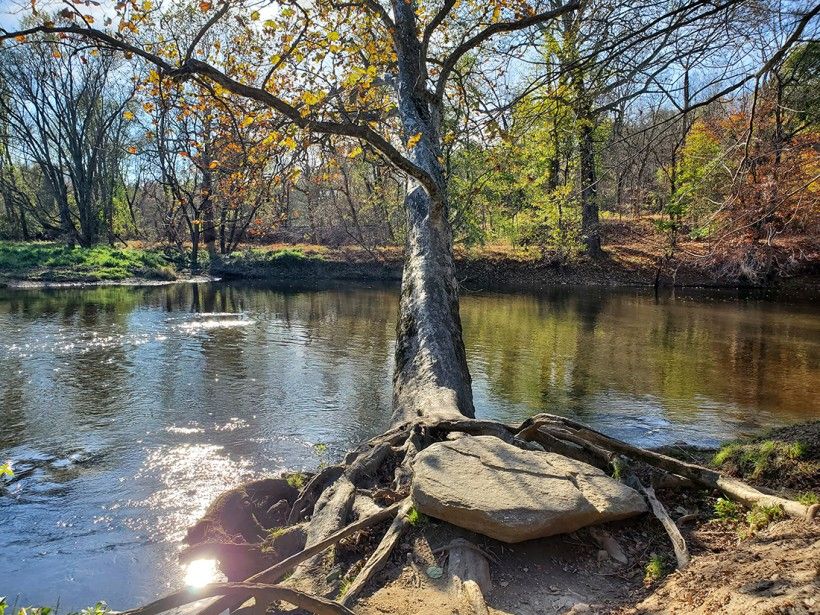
<point x="334" y="575"/>
<point x="553" y="589"/>
<point x="602" y="555"/>
<point x="434" y="572"/>
<point x="503" y="583"/>
<point x="526" y="569"/>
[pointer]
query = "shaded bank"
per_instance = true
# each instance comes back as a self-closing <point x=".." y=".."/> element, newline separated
<point x="491" y="268"/>
<point x="485" y="270"/>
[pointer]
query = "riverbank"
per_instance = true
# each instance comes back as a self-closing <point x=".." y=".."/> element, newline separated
<point x="629" y="263"/>
<point x="743" y="561"/>
<point x="735" y="559"/>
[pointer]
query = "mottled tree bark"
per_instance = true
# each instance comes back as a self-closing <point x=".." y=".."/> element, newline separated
<point x="431" y="379"/>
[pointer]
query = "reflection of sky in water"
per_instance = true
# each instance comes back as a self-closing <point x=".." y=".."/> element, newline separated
<point x="126" y="411"/>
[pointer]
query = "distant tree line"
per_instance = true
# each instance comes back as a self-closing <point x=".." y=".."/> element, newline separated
<point x="703" y="118"/>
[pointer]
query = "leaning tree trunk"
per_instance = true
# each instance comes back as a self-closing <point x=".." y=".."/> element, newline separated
<point x="431" y="378"/>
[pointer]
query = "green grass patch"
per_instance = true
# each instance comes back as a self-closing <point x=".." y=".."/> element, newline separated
<point x="653" y="571"/>
<point x="726" y="509"/>
<point x="50" y="261"/>
<point x="416" y="518"/>
<point x="280" y="256"/>
<point x="761" y="515"/>
<point x="808" y="498"/>
<point x="344" y="586"/>
<point x="296" y="480"/>
<point x="757" y="459"/>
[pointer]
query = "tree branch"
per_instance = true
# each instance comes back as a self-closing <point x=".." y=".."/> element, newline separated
<point x="198" y="67"/>
<point x="497" y="28"/>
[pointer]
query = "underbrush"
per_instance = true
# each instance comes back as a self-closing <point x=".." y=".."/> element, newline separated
<point x="262" y="256"/>
<point x="50" y="261"/>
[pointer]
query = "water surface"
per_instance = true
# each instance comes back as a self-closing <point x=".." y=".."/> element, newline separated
<point x="125" y="411"/>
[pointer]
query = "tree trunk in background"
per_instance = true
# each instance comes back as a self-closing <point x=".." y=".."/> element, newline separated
<point x="208" y="226"/>
<point x="431" y="379"/>
<point x="590" y="224"/>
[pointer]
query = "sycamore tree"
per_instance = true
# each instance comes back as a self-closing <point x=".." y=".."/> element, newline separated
<point x="356" y="70"/>
<point x="377" y="71"/>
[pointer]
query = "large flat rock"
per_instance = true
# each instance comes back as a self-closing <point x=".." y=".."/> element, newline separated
<point x="493" y="488"/>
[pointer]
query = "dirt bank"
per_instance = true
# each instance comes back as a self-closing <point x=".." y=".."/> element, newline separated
<point x="489" y="270"/>
<point x="734" y="569"/>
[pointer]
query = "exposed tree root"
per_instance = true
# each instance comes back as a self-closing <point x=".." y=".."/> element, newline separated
<point x="470" y="577"/>
<point x="735" y="489"/>
<point x="380" y="555"/>
<point x="380" y="473"/>
<point x="276" y="572"/>
<point x="304" y="504"/>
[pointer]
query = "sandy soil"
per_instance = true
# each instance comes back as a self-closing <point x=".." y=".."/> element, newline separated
<point x="774" y="572"/>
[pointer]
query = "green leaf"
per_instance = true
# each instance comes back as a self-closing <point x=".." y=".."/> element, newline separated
<point x="5" y="470"/>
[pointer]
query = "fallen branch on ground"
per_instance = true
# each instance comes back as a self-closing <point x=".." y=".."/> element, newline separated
<point x="658" y="509"/>
<point x="231" y="591"/>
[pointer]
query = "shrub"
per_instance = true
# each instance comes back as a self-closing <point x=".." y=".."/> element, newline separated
<point x="762" y="515"/>
<point x="726" y="509"/>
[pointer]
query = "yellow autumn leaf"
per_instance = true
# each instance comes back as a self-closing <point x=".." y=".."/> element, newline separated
<point x="289" y="143"/>
<point x="128" y="116"/>
<point x="56" y="54"/>
<point x="205" y="5"/>
<point x="333" y="36"/>
<point x="147" y="5"/>
<point x="247" y="121"/>
<point x="356" y="151"/>
<point x="312" y="98"/>
<point x="255" y="15"/>
<point x="413" y="141"/>
<point x="148" y="106"/>
<point x="214" y="164"/>
<point x="132" y="150"/>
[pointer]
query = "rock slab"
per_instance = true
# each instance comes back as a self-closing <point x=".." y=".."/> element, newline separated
<point x="485" y="485"/>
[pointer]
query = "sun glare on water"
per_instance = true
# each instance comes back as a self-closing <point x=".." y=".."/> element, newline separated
<point x="200" y="572"/>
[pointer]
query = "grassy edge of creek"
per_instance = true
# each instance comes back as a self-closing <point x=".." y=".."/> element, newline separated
<point x="490" y="267"/>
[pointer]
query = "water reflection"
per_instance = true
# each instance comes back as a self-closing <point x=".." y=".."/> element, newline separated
<point x="125" y="411"/>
